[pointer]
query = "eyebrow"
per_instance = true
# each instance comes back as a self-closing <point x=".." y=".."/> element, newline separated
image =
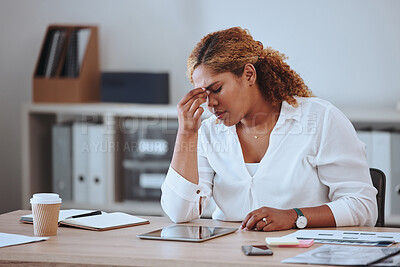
<point x="209" y="87"/>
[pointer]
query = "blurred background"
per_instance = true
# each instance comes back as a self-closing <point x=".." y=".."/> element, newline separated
<point x="347" y="51"/>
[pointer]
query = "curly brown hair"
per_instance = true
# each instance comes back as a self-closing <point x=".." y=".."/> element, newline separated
<point x="231" y="49"/>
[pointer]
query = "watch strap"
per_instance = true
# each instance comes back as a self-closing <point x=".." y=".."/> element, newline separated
<point x="298" y="211"/>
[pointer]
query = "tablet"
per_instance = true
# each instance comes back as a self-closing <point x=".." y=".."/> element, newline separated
<point x="190" y="233"/>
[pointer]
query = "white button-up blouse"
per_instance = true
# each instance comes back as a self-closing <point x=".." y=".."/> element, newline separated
<point x="314" y="158"/>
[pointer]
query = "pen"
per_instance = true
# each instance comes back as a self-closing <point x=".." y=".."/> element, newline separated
<point x="97" y="212"/>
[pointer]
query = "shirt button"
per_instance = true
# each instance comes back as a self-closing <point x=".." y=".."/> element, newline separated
<point x="198" y="192"/>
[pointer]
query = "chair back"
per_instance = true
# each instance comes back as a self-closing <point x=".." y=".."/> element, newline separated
<point x="379" y="182"/>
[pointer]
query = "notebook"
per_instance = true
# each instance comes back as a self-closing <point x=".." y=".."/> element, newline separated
<point x="102" y="222"/>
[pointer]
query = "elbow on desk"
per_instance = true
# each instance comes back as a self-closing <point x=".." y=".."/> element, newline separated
<point x="349" y="211"/>
<point x="176" y="213"/>
<point x="177" y="219"/>
<point x="366" y="209"/>
<point x="371" y="212"/>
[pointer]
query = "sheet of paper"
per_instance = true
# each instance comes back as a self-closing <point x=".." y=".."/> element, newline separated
<point x="348" y="237"/>
<point x="12" y="239"/>
<point x="342" y="255"/>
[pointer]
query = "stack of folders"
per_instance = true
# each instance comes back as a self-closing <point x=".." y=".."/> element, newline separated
<point x="79" y="161"/>
<point x="56" y="42"/>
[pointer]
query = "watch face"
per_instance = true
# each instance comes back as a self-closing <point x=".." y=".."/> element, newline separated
<point x="301" y="222"/>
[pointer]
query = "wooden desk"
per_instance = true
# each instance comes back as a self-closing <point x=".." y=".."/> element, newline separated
<point x="121" y="247"/>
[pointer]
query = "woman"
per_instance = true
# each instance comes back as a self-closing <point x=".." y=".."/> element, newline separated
<point x="273" y="156"/>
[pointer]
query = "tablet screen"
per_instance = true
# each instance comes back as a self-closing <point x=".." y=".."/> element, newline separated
<point x="193" y="233"/>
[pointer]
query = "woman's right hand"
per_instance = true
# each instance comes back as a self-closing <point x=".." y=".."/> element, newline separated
<point x="184" y="159"/>
<point x="189" y="110"/>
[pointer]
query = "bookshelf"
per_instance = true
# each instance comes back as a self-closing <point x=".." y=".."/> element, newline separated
<point x="36" y="162"/>
<point x="37" y="120"/>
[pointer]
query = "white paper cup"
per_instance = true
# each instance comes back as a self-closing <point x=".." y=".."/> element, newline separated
<point x="45" y="209"/>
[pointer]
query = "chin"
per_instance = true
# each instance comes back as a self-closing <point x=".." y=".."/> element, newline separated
<point x="228" y="122"/>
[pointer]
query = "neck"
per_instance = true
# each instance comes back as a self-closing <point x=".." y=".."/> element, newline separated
<point x="261" y="118"/>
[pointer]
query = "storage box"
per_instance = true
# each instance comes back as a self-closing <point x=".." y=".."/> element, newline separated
<point x="135" y="87"/>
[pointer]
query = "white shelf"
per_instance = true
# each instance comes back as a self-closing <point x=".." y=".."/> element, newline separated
<point x="371" y="115"/>
<point x="117" y="109"/>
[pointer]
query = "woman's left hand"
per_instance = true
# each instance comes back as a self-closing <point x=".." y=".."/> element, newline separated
<point x="275" y="219"/>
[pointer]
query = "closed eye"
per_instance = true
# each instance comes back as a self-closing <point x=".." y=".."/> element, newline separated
<point x="217" y="90"/>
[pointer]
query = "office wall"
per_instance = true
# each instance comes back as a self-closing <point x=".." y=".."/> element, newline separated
<point x="348" y="51"/>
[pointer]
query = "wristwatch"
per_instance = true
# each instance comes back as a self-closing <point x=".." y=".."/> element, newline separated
<point x="301" y="221"/>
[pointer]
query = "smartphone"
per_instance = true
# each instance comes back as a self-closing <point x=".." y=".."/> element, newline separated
<point x="256" y="250"/>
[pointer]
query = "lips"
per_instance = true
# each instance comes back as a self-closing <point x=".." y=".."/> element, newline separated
<point x="219" y="115"/>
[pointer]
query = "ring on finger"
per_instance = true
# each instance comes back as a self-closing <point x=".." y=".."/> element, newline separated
<point x="265" y="220"/>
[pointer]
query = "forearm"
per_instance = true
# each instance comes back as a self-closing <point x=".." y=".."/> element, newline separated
<point x="320" y="216"/>
<point x="184" y="159"/>
<point x="283" y="219"/>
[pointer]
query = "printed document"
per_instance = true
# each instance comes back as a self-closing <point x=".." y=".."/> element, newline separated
<point x="11" y="239"/>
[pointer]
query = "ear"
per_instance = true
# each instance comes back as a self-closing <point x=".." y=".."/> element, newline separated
<point x="249" y="74"/>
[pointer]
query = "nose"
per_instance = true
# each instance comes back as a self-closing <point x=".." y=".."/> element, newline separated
<point x="211" y="101"/>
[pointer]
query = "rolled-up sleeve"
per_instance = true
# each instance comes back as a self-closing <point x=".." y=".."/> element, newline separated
<point x="342" y="166"/>
<point x="180" y="197"/>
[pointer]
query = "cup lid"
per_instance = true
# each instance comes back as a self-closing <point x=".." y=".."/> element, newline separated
<point x="45" y="198"/>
